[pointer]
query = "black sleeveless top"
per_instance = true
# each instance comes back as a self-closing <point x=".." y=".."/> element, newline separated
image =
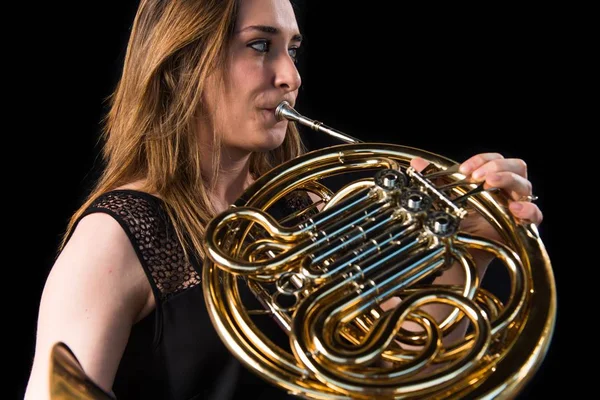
<point x="175" y="353"/>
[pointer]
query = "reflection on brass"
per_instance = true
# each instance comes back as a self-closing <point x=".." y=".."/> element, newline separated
<point x="68" y="381"/>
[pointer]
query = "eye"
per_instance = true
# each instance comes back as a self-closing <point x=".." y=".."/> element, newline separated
<point x="264" y="46"/>
<point x="261" y="46"/>
<point x="293" y="52"/>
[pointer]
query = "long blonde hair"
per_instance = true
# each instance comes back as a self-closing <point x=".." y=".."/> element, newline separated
<point x="149" y="132"/>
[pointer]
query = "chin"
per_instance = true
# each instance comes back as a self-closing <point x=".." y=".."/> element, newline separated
<point x="271" y="139"/>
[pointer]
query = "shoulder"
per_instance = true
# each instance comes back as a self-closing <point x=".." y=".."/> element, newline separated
<point x="140" y="215"/>
<point x="115" y="229"/>
<point x="99" y="234"/>
<point x="142" y="225"/>
<point x="108" y="240"/>
<point x="126" y="202"/>
<point x="102" y="258"/>
<point x="100" y="249"/>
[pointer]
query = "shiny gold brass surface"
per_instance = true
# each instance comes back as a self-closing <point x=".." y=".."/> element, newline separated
<point x="327" y="277"/>
<point x="68" y="381"/>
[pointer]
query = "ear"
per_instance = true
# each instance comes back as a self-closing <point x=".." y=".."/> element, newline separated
<point x="418" y="163"/>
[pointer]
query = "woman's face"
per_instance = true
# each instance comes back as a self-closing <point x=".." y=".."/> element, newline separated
<point x="261" y="73"/>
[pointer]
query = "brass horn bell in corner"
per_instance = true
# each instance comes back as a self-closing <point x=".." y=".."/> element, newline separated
<point x="68" y="380"/>
<point x="323" y="274"/>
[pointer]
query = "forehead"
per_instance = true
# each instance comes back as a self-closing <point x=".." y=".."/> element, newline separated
<point x="276" y="13"/>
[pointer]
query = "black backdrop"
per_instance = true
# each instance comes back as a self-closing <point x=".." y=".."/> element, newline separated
<point x="452" y="81"/>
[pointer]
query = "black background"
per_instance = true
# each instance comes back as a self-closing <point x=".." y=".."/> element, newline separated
<point x="449" y="80"/>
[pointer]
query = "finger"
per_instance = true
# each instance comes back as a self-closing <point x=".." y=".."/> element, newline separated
<point x="514" y="165"/>
<point x="513" y="184"/>
<point x="526" y="211"/>
<point x="419" y="163"/>
<point x="471" y="164"/>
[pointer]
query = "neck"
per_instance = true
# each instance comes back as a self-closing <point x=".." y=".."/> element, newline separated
<point x="232" y="179"/>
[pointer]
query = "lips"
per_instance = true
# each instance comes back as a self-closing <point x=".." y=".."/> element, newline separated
<point x="269" y="115"/>
<point x="267" y="110"/>
<point x="273" y="106"/>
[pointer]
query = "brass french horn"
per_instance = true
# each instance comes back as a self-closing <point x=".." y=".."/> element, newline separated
<point x="323" y="274"/>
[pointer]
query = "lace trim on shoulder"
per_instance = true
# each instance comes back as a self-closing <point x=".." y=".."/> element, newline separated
<point x="153" y="236"/>
<point x="297" y="201"/>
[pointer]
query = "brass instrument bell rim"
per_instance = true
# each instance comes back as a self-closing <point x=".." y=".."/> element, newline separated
<point x="68" y="380"/>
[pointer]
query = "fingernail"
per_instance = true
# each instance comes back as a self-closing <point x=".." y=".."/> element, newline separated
<point x="464" y="168"/>
<point x="516" y="206"/>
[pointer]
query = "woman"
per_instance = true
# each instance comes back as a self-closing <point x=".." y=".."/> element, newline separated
<point x="191" y="126"/>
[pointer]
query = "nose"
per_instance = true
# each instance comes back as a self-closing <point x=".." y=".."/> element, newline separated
<point x="286" y="74"/>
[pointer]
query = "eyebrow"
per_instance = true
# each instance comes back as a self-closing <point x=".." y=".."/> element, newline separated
<point x="270" y="29"/>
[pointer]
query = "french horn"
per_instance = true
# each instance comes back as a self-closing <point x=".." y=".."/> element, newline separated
<point x="324" y="274"/>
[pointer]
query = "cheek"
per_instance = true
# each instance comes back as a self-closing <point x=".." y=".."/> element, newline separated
<point x="246" y="81"/>
<point x="245" y="125"/>
<point x="247" y="78"/>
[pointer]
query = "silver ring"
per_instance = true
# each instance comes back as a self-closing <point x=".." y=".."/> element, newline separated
<point x="529" y="197"/>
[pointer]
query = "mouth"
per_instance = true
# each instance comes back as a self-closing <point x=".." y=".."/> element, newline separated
<point x="272" y="107"/>
<point x="269" y="115"/>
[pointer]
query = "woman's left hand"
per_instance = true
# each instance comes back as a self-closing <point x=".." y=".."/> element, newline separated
<point x="507" y="174"/>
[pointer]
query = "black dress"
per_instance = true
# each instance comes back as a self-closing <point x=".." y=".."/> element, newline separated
<point x="175" y="353"/>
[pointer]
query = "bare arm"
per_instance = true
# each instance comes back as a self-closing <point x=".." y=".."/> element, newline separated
<point x="95" y="292"/>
